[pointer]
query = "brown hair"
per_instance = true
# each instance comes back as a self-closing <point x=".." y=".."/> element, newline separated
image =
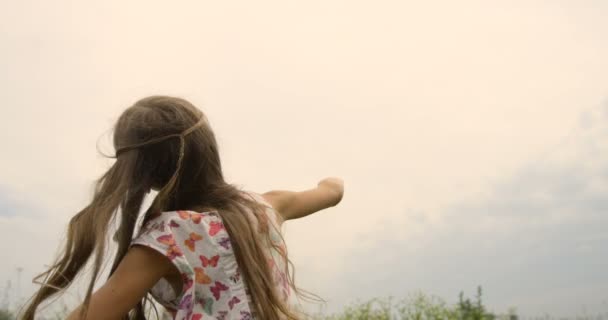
<point x="150" y="157"/>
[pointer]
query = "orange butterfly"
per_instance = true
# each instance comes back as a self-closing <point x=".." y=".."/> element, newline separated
<point x="200" y="276"/>
<point x="194" y="216"/>
<point x="209" y="261"/>
<point x="173" y="250"/>
<point x="190" y="242"/>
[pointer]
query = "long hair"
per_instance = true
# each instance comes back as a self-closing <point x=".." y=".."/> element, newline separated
<point x="154" y="154"/>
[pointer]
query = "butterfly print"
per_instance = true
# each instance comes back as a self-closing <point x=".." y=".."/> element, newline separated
<point x="221" y="315"/>
<point x="160" y="226"/>
<point x="200" y="276"/>
<point x="245" y="315"/>
<point x="217" y="289"/>
<point x="173" y="250"/>
<point x="207" y="304"/>
<point x="208" y="291"/>
<point x="225" y="242"/>
<point x="187" y="304"/>
<point x="215" y="227"/>
<point x="190" y="242"/>
<point x="194" y="216"/>
<point x="209" y="261"/>
<point x="233" y="301"/>
<point x="186" y="301"/>
<point x="235" y="277"/>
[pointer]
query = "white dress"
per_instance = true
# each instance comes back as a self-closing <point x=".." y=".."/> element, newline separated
<point x="198" y="245"/>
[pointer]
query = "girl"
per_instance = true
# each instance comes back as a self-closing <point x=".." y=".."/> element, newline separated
<point x="206" y="249"/>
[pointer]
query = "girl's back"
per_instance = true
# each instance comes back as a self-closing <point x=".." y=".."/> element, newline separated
<point x="210" y="282"/>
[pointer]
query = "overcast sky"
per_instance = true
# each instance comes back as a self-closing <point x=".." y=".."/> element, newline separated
<point x="472" y="135"/>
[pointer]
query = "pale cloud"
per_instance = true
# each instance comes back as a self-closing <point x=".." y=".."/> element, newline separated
<point x="8" y="205"/>
<point x="536" y="239"/>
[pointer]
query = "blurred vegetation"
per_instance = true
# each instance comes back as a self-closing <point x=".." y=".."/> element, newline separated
<point x="418" y="306"/>
<point x="6" y="315"/>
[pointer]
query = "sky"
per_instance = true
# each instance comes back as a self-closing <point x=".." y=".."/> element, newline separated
<point x="471" y="135"/>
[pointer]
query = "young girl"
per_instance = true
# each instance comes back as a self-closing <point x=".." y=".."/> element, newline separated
<point x="206" y="249"/>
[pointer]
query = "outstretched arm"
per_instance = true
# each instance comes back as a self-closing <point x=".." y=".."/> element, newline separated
<point x="297" y="204"/>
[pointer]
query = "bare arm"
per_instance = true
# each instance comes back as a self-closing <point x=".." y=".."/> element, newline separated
<point x="138" y="271"/>
<point x="298" y="204"/>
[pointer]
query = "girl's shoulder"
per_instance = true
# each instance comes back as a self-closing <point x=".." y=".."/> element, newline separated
<point x="178" y="217"/>
<point x="269" y="211"/>
<point x="184" y="231"/>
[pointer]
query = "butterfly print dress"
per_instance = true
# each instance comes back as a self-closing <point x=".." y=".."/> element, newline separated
<point x="198" y="245"/>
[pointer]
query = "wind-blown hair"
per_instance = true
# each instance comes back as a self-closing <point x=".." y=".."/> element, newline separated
<point x="156" y="152"/>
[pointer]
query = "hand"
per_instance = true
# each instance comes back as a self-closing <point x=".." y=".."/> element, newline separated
<point x="335" y="184"/>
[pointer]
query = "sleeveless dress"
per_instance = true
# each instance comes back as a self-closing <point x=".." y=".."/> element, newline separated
<point x="198" y="245"/>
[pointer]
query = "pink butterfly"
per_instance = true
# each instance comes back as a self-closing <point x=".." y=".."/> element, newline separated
<point x="196" y="316"/>
<point x="215" y="227"/>
<point x="210" y="261"/>
<point x="233" y="301"/>
<point x="172" y="250"/>
<point x="173" y="224"/>
<point x="217" y="289"/>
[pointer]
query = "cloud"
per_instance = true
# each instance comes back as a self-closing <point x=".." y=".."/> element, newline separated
<point x="536" y="239"/>
<point x="26" y="227"/>
<point x="8" y="205"/>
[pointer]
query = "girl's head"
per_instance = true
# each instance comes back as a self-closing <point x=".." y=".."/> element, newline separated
<point x="164" y="144"/>
<point x="165" y="137"/>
